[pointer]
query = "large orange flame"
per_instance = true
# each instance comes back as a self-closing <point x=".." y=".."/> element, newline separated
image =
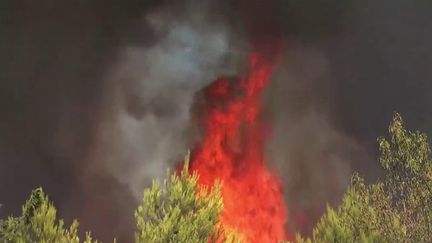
<point x="232" y="151"/>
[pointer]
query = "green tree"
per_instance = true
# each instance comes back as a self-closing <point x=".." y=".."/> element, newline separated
<point x="407" y="159"/>
<point x="178" y="211"/>
<point x="38" y="223"/>
<point x="181" y="211"/>
<point x="399" y="209"/>
<point x="359" y="217"/>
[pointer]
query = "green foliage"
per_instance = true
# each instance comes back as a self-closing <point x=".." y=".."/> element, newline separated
<point x="38" y="223"/>
<point x="396" y="210"/>
<point x="358" y="219"/>
<point x="181" y="211"/>
<point x="407" y="159"/>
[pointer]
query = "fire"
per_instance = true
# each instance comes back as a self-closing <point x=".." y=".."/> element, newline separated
<point x="232" y="151"/>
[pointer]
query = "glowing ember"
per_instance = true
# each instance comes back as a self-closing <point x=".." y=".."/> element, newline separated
<point x="232" y="151"/>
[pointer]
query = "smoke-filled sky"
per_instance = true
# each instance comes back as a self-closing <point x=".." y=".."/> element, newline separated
<point x="95" y="96"/>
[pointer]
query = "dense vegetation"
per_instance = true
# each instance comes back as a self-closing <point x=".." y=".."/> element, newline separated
<point x="397" y="209"/>
<point x="181" y="211"/>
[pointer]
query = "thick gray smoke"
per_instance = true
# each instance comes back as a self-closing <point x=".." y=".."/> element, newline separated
<point x="153" y="88"/>
<point x="314" y="157"/>
<point x="95" y="95"/>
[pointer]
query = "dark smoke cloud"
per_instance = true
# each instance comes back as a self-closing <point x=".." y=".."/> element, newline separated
<point x="348" y="67"/>
<point x="53" y="59"/>
<point x="95" y="95"/>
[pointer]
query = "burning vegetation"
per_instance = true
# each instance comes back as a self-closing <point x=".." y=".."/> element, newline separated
<point x="224" y="191"/>
<point x="232" y="151"/>
<point x="190" y="207"/>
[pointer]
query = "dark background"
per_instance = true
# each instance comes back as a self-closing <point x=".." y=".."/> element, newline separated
<point x="54" y="56"/>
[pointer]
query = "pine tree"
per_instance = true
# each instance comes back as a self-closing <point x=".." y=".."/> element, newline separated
<point x="38" y="223"/>
<point x="178" y="211"/>
<point x="181" y="211"/>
